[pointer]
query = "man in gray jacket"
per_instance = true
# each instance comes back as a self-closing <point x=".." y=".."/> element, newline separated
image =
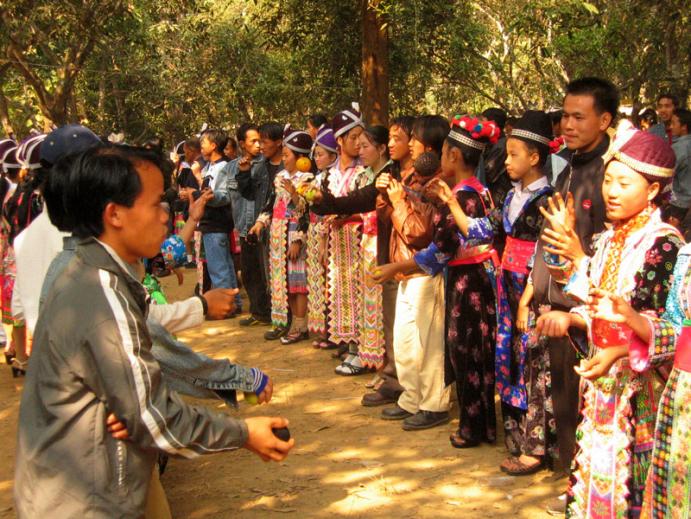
<point x="92" y="358"/>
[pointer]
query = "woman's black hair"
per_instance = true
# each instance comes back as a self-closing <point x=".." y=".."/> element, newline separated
<point x="379" y="136"/>
<point x="431" y="130"/>
<point x="661" y="196"/>
<point x="95" y="178"/>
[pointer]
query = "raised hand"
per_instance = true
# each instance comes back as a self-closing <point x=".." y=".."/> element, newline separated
<point x="561" y="215"/>
<point x="437" y="188"/>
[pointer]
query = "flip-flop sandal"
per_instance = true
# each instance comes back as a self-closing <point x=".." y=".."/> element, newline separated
<point x="513" y="466"/>
<point x="294" y="337"/>
<point x="348" y="370"/>
<point x="460" y="443"/>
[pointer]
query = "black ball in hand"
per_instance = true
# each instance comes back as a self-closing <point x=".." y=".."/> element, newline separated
<point x="282" y="434"/>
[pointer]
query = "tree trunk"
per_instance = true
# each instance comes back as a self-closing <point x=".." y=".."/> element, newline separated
<point x="375" y="65"/>
<point x="5" y="115"/>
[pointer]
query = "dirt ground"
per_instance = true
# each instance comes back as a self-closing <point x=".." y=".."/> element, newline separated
<point x="347" y="462"/>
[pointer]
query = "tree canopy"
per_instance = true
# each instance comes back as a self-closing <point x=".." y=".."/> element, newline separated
<point x="164" y="68"/>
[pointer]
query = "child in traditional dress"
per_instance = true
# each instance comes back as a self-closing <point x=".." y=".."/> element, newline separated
<point x="369" y="354"/>
<point x="286" y="214"/>
<point x="518" y="224"/>
<point x="629" y="275"/>
<point x="19" y="211"/>
<point x="325" y="154"/>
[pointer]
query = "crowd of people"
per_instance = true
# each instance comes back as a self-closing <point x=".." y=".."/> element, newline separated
<point x="537" y="262"/>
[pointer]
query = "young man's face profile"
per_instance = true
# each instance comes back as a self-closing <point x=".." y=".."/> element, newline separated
<point x="144" y="224"/>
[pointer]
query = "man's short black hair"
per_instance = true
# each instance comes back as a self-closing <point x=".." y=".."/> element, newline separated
<point x="603" y="92"/>
<point x="243" y="129"/>
<point x="316" y="120"/>
<point x="497" y="115"/>
<point x="218" y="137"/>
<point x="86" y="183"/>
<point x="684" y="117"/>
<point x="405" y="123"/>
<point x="272" y="131"/>
<point x="671" y="97"/>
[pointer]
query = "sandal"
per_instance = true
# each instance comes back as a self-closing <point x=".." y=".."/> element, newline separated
<point x="19" y="367"/>
<point x="294" y="336"/>
<point x="513" y="466"/>
<point x="461" y="443"/>
<point x="351" y="368"/>
<point x="328" y="345"/>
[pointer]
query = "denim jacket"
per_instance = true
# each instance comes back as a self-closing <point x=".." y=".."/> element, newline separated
<point x="243" y="197"/>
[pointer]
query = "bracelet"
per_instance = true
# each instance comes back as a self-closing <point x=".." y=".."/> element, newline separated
<point x="205" y="305"/>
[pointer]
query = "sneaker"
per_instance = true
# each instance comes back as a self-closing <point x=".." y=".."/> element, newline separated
<point x="276" y="333"/>
<point x="425" y="420"/>
<point x="395" y="413"/>
<point x="253" y="321"/>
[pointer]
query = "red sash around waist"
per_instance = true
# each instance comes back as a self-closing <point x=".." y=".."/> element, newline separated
<point x="517" y="255"/>
<point x="682" y="358"/>
<point x="476" y="258"/>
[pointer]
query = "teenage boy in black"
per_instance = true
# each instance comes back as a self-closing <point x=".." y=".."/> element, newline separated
<point x="589" y="108"/>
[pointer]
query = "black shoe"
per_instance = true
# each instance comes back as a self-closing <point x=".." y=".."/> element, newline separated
<point x="395" y="413"/>
<point x="425" y="420"/>
<point x="253" y="321"/>
<point x="191" y="265"/>
<point x="276" y="333"/>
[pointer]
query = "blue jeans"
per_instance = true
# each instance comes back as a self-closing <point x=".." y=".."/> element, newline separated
<point x="219" y="262"/>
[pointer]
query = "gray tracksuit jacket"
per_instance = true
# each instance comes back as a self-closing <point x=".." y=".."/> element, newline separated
<point x="91" y="357"/>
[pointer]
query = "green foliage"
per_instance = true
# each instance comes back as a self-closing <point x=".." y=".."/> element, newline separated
<point x="165" y="68"/>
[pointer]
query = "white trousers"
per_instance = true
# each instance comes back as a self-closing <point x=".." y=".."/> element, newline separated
<point x="418" y="343"/>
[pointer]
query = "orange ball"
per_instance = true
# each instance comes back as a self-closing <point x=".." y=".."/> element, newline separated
<point x="303" y="164"/>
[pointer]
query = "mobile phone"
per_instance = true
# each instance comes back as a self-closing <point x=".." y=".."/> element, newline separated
<point x="206" y="182"/>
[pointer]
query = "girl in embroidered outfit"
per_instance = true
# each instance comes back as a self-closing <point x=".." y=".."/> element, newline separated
<point x="325" y="154"/>
<point x="471" y="320"/>
<point x="629" y="274"/>
<point x="19" y="210"/>
<point x="344" y="264"/>
<point x="374" y="155"/>
<point x="518" y="223"/>
<point x="667" y="486"/>
<point x="286" y="213"/>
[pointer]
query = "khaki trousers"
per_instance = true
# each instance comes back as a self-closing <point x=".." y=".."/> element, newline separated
<point x="156" y="502"/>
<point x="419" y="344"/>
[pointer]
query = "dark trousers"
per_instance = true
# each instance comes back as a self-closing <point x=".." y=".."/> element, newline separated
<point x="565" y="397"/>
<point x="254" y="280"/>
